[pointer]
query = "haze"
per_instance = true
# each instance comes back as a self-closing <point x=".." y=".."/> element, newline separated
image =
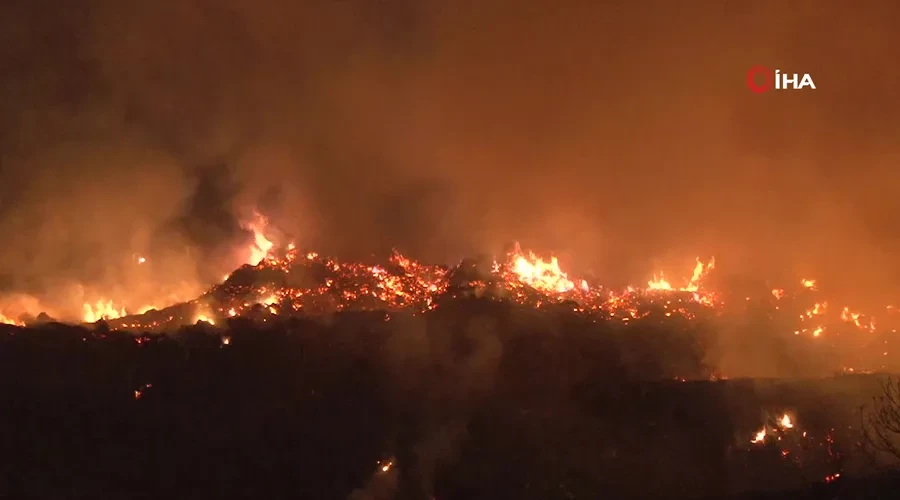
<point x="622" y="138"/>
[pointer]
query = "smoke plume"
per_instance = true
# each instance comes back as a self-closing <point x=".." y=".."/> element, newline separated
<point x="622" y="137"/>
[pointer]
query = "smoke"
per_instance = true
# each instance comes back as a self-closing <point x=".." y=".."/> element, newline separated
<point x="610" y="134"/>
<point x="445" y="371"/>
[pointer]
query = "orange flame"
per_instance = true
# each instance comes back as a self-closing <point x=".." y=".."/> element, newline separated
<point x="785" y="422"/>
<point x="8" y="321"/>
<point x="540" y="274"/>
<point x="102" y="310"/>
<point x="261" y="246"/>
<point x="760" y="436"/>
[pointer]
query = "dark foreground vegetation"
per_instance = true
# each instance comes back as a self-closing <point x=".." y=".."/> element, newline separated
<point x="477" y="400"/>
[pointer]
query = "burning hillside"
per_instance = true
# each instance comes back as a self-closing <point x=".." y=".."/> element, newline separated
<point x="663" y="330"/>
<point x="290" y="282"/>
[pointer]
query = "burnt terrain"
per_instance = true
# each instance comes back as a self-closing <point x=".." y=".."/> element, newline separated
<point x="476" y="399"/>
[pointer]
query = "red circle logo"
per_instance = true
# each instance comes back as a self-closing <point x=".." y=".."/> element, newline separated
<point x="768" y="79"/>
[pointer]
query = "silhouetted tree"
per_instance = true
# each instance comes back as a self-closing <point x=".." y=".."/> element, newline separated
<point x="881" y="426"/>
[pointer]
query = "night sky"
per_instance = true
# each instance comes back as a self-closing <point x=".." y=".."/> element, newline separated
<point x="619" y="135"/>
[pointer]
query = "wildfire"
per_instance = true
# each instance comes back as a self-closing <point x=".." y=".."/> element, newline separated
<point x="522" y="277"/>
<point x="8" y="321"/>
<point x="102" y="310"/>
<point x="817" y="310"/>
<point x="781" y="425"/>
<point x="856" y="318"/>
<point x="539" y="274"/>
<point x="760" y="436"/>
<point x="202" y="318"/>
<point x="700" y="270"/>
<point x="786" y="422"/>
<point x="261" y="246"/>
<point x="660" y="283"/>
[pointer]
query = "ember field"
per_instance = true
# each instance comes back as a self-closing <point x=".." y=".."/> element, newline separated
<point x="476" y="399"/>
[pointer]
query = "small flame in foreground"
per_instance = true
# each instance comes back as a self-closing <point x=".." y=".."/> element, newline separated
<point x="205" y="319"/>
<point x="760" y="436"/>
<point x="786" y="422"/>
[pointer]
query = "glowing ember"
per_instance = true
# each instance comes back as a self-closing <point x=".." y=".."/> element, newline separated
<point x="810" y="284"/>
<point x="778" y="293"/>
<point x="139" y="392"/>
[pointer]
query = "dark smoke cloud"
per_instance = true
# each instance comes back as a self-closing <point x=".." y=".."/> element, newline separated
<point x="622" y="136"/>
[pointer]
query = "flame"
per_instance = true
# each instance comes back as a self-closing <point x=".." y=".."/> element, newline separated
<point x="700" y="270"/>
<point x="102" y="310"/>
<point x="659" y="283"/>
<point x="205" y="319"/>
<point x="760" y="436"/>
<point x="817" y="310"/>
<point x="8" y="321"/>
<point x="523" y="278"/>
<point x="261" y="246"/>
<point x="785" y="422"/>
<point x="540" y="274"/>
